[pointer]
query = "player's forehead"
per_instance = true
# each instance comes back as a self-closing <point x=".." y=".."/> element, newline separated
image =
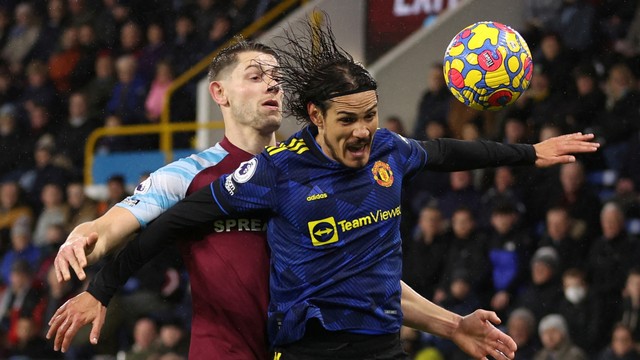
<point x="356" y="103"/>
<point x="255" y="61"/>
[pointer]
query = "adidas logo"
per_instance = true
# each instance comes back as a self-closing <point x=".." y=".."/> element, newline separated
<point x="316" y="194"/>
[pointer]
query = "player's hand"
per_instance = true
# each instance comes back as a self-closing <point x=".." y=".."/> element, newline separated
<point x="73" y="254"/>
<point x="74" y="314"/>
<point x="477" y="336"/>
<point x="559" y="149"/>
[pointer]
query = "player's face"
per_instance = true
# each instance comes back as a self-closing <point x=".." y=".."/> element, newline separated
<point x="346" y="131"/>
<point x="253" y="97"/>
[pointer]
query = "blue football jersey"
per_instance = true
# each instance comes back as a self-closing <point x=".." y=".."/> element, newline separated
<point x="334" y="232"/>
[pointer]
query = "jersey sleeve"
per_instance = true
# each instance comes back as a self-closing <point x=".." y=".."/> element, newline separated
<point x="248" y="189"/>
<point x="168" y="185"/>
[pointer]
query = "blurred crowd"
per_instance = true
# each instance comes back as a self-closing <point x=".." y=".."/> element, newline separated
<point x="68" y="67"/>
<point x="553" y="251"/>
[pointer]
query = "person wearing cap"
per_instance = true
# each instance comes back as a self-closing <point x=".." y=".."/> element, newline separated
<point x="544" y="291"/>
<point x="556" y="341"/>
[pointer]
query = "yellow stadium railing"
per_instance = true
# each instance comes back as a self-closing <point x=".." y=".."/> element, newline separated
<point x="165" y="128"/>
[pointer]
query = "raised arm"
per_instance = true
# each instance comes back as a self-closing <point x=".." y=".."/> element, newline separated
<point x="456" y="155"/>
<point x="90" y="241"/>
<point x="475" y="333"/>
<point x="189" y="218"/>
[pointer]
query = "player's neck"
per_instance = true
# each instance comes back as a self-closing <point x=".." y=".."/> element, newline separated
<point x="250" y="140"/>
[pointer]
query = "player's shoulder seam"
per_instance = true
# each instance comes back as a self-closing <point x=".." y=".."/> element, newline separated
<point x="292" y="146"/>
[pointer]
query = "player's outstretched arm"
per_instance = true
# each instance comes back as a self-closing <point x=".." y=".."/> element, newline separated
<point x="559" y="149"/>
<point x="90" y="241"/>
<point x="475" y="333"/>
<point x="74" y="314"/>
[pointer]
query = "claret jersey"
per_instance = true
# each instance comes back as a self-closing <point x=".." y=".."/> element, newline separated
<point x="228" y="268"/>
<point x="336" y="248"/>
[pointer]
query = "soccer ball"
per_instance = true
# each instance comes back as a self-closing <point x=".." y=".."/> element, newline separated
<point x="487" y="66"/>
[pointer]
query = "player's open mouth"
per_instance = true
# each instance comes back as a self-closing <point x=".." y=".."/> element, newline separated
<point x="357" y="150"/>
<point x="271" y="104"/>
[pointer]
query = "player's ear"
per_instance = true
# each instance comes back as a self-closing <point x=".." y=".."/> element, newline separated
<point x="315" y="115"/>
<point x="217" y="93"/>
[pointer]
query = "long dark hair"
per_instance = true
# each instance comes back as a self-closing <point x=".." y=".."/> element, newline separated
<point x="314" y="69"/>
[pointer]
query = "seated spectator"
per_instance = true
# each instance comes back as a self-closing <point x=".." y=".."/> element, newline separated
<point x="22" y="249"/>
<point x="131" y="41"/>
<point x="173" y="340"/>
<point x="22" y="37"/>
<point x="218" y="33"/>
<point x="99" y="89"/>
<point x="64" y="60"/>
<point x="510" y="249"/>
<point x="155" y="101"/>
<point x="81" y="207"/>
<point x="587" y="102"/>
<point x="15" y="152"/>
<point x="434" y="103"/>
<point x="72" y="138"/>
<point x="556" y="340"/>
<point x="468" y="251"/>
<point x="127" y="98"/>
<point x="521" y="326"/>
<point x="116" y="191"/>
<point x="13" y="207"/>
<point x="155" y="50"/>
<point x="462" y="193"/>
<point x="114" y="143"/>
<point x="583" y="311"/>
<point x="39" y="90"/>
<point x="22" y="298"/>
<point x="425" y="255"/>
<point x="617" y="125"/>
<point x="610" y="259"/>
<point x="553" y="59"/>
<point x="54" y="212"/>
<point x="394" y="123"/>
<point x="504" y="189"/>
<point x="564" y="234"/>
<point x="145" y="339"/>
<point x="577" y="197"/>
<point x="30" y="344"/>
<point x="543" y="292"/>
<point x="631" y="304"/>
<point x="621" y="346"/>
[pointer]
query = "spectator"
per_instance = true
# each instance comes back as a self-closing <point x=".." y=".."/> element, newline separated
<point x="78" y="126"/>
<point x="539" y="16"/>
<point x="173" y="342"/>
<point x="12" y="143"/>
<point x="22" y="248"/>
<point x="621" y="346"/>
<point x="100" y="88"/>
<point x="44" y="172"/>
<point x="242" y="12"/>
<point x="109" y="20"/>
<point x="552" y="58"/>
<point x="425" y="256"/>
<point x="154" y="51"/>
<point x="13" y="208"/>
<point x="610" y="258"/>
<point x="461" y="193"/>
<point x="587" y="102"/>
<point x="116" y="191"/>
<point x="207" y="12"/>
<point x="127" y="98"/>
<point x="577" y="197"/>
<point x="521" y="326"/>
<point x="155" y="101"/>
<point x="131" y="41"/>
<point x="578" y="18"/>
<point x="63" y="61"/>
<point x="22" y="298"/>
<point x="556" y="340"/>
<point x="145" y="338"/>
<point x="504" y="189"/>
<point x="468" y="252"/>
<point x="29" y="343"/>
<point x="394" y="123"/>
<point x="631" y="304"/>
<point x="563" y="234"/>
<point x="39" y="90"/>
<point x="88" y="46"/>
<point x="186" y="47"/>
<point x="81" y="207"/>
<point x="509" y="252"/>
<point x="544" y="291"/>
<point x="22" y="37"/>
<point x="434" y="103"/>
<point x="54" y="212"/>
<point x="620" y="120"/>
<point x="583" y="311"/>
<point x="80" y="12"/>
<point x="218" y="33"/>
